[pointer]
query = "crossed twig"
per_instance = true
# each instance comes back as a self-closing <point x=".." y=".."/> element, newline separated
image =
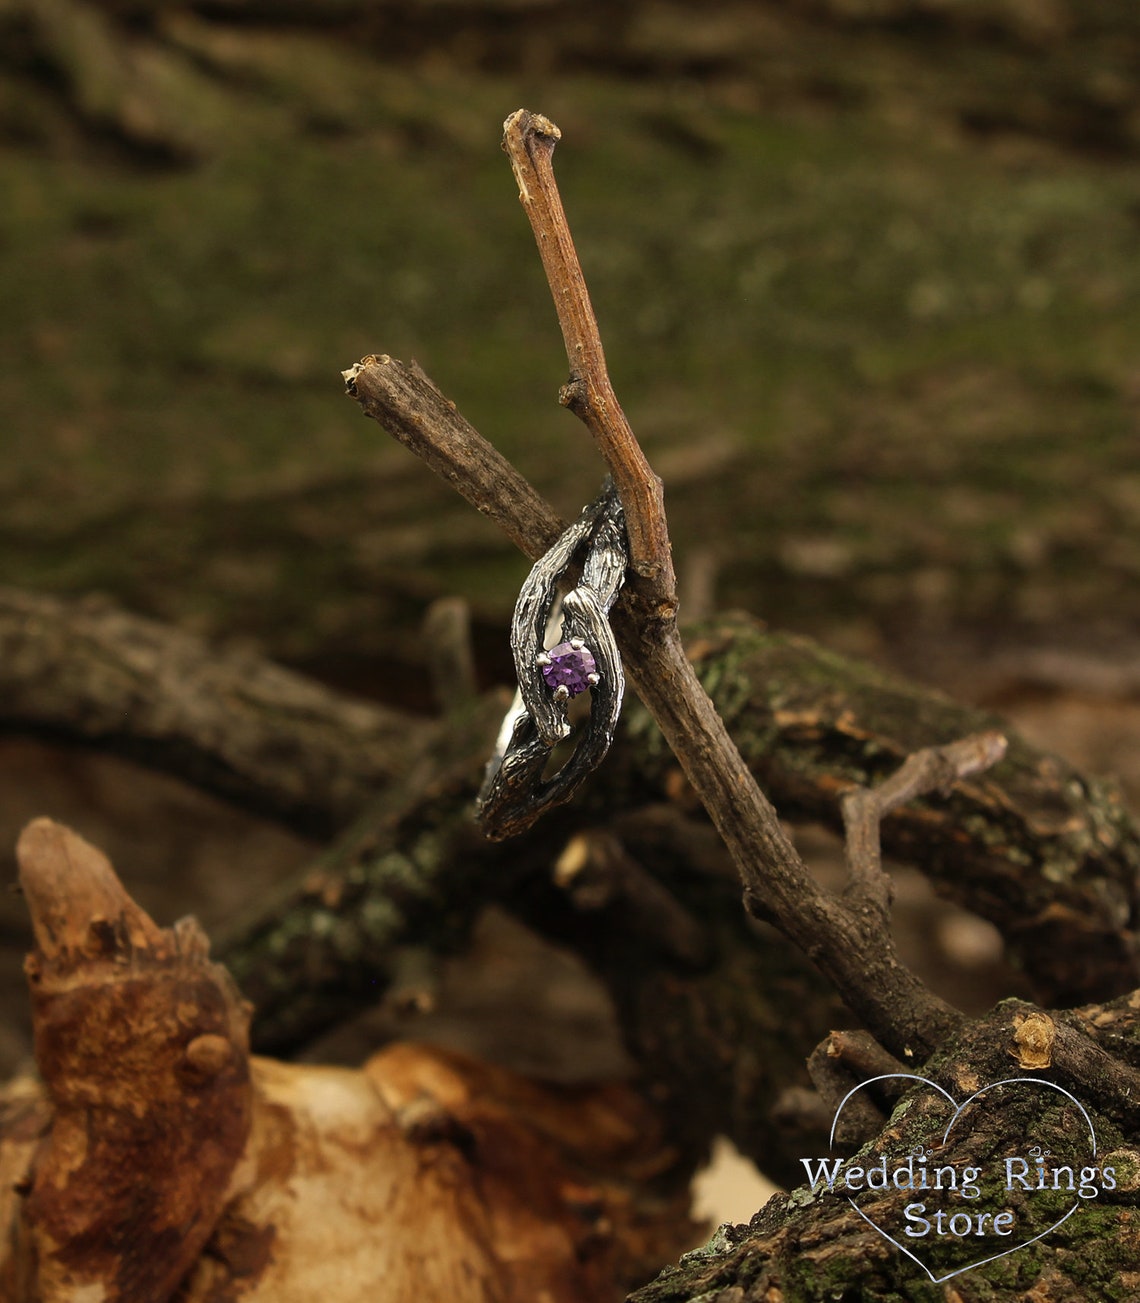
<point x="847" y="937"/>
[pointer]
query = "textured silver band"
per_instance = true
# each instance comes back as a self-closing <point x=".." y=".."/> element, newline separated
<point x="514" y="794"/>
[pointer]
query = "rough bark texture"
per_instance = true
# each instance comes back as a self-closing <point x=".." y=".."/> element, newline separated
<point x="417" y="871"/>
<point x="814" y="1246"/>
<point x="224" y="719"/>
<point x="1048" y="855"/>
<point x="1045" y="853"/>
<point x="315" y="572"/>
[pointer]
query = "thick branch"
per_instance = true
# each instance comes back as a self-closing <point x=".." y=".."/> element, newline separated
<point x="158" y="1161"/>
<point x="406" y="873"/>
<point x="231" y="722"/>
<point x="802" y="1247"/>
<point x="1048" y="857"/>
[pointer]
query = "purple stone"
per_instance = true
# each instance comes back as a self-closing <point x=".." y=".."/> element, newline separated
<point x="570" y="668"/>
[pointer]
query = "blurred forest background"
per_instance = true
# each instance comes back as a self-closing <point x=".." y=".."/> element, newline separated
<point x="868" y="273"/>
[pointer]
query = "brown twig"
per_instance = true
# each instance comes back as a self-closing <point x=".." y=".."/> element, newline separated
<point x="929" y="770"/>
<point x="845" y="1060"/>
<point x="858" y="957"/>
<point x="853" y="949"/>
<point x="418" y="415"/>
<point x="848" y="940"/>
<point x="529" y="141"/>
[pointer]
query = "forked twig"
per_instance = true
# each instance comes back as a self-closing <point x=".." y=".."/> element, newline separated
<point x="848" y="940"/>
<point x="529" y="141"/>
<point x="933" y="769"/>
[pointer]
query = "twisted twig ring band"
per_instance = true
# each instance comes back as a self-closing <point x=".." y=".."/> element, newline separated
<point x="586" y="658"/>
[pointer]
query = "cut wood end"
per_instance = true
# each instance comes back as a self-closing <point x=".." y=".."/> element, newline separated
<point x="77" y="904"/>
<point x="522" y="121"/>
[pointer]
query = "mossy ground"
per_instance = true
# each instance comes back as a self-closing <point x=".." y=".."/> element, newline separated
<point x="881" y="361"/>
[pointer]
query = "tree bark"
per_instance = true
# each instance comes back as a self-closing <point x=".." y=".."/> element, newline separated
<point x="142" y="1045"/>
<point x="228" y="721"/>
<point x="1049" y="856"/>
<point x="809" y="1247"/>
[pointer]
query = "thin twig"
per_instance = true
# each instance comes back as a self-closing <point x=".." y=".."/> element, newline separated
<point x="933" y="769"/>
<point x="852" y="944"/>
<point x="450" y="654"/>
<point x="777" y="883"/>
<point x="410" y="407"/>
<point x="529" y="141"/>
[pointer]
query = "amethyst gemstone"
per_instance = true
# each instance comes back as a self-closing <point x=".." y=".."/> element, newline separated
<point x="569" y="668"/>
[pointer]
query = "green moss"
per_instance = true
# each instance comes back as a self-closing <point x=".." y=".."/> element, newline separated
<point x="911" y="348"/>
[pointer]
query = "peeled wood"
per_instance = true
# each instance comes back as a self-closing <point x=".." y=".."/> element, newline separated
<point x="158" y="1160"/>
<point x="142" y="1045"/>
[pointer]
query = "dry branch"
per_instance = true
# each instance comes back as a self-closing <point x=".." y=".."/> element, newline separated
<point x="229" y="721"/>
<point x="529" y="141"/>
<point x="1050" y="854"/>
<point x="416" y="413"/>
<point x="864" y="808"/>
<point x="850" y="944"/>
<point x="1049" y="857"/>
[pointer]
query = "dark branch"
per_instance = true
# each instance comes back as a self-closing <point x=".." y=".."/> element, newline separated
<point x="1051" y="859"/>
<point x="409" y="406"/>
<point x="230" y="722"/>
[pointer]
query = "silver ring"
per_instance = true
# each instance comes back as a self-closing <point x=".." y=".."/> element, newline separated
<point x="583" y="657"/>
